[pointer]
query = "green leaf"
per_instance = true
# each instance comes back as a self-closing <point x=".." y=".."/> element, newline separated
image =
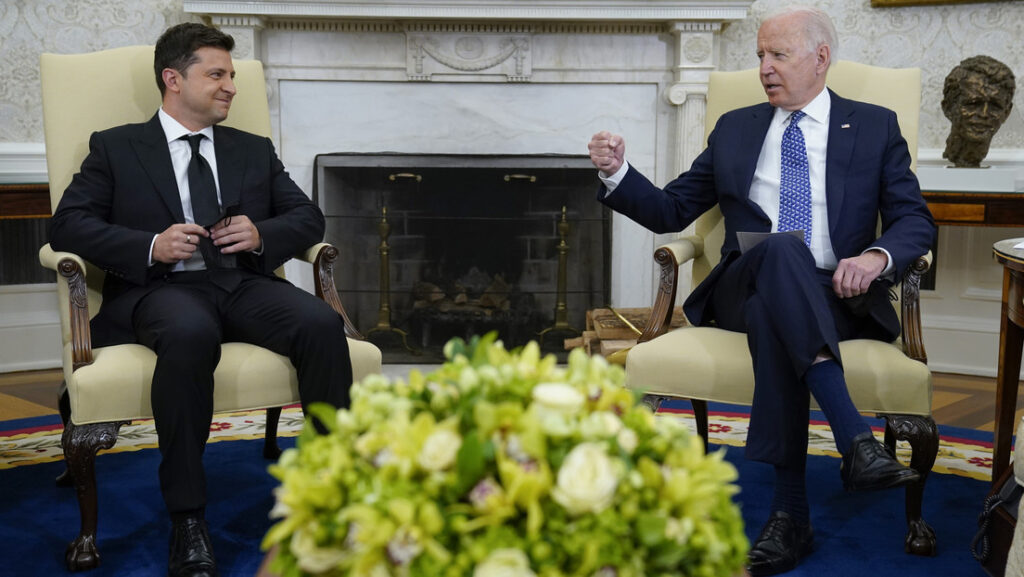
<point x="470" y="462"/>
<point x="650" y="528"/>
<point x="323" y="412"/>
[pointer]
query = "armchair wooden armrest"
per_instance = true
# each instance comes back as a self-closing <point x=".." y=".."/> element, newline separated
<point x="73" y="269"/>
<point x="913" y="343"/>
<point x="322" y="256"/>
<point x="669" y="257"/>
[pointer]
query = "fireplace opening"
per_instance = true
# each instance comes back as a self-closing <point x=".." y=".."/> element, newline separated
<point x="438" y="246"/>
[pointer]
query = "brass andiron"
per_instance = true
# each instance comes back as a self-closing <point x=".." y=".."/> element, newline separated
<point x="561" y="310"/>
<point x="384" y="310"/>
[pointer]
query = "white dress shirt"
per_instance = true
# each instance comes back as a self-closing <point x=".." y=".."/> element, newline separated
<point x="181" y="156"/>
<point x="764" y="189"/>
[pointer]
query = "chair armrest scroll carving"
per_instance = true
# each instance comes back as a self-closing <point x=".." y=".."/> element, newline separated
<point x="322" y="257"/>
<point x="913" y="344"/>
<point x="72" y="268"/>
<point x="669" y="257"/>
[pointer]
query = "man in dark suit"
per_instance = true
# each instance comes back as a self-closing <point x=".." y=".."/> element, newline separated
<point x="189" y="221"/>
<point x="811" y="161"/>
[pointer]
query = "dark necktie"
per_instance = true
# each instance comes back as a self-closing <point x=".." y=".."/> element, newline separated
<point x="201" y="186"/>
<point x="795" y="183"/>
<point x="205" y="208"/>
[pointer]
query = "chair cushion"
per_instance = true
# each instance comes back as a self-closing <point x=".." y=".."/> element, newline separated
<point x="116" y="386"/>
<point x="714" y="365"/>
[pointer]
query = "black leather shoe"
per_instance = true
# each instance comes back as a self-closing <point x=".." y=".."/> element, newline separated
<point x="868" y="466"/>
<point x="191" y="552"/>
<point x="780" y="547"/>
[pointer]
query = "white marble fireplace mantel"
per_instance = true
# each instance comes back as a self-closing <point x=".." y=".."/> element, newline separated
<point x="492" y="77"/>
<point x="549" y="10"/>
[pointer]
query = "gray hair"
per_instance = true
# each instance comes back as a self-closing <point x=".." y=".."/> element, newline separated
<point x="818" y="27"/>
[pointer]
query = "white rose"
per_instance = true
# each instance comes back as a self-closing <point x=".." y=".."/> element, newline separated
<point x="439" y="450"/>
<point x="587" y="480"/>
<point x="504" y="563"/>
<point x="600" y="425"/>
<point x="628" y="440"/>
<point x="558" y="397"/>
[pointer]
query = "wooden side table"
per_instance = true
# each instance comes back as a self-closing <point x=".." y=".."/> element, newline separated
<point x="1011" y="337"/>
<point x="975" y="208"/>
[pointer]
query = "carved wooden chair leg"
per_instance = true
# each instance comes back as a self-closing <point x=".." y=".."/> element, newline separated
<point x="270" y="448"/>
<point x="700" y="414"/>
<point x="81" y="443"/>
<point x="923" y="436"/>
<point x="64" y="406"/>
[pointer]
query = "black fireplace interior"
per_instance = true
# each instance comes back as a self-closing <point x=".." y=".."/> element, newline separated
<point x="439" y="246"/>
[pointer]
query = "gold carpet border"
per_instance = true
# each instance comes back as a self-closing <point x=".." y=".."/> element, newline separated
<point x="955" y="457"/>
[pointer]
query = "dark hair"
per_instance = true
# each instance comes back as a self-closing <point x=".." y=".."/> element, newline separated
<point x="176" y="48"/>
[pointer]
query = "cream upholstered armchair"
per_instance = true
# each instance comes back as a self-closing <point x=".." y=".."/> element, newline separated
<point x="107" y="387"/>
<point x="704" y="364"/>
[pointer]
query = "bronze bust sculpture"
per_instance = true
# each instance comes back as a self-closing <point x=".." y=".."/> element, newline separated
<point x="977" y="98"/>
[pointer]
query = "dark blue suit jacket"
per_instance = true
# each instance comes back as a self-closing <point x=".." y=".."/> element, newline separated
<point x="867" y="175"/>
<point x="125" y="193"/>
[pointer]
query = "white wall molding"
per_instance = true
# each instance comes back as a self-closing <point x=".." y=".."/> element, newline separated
<point x="29" y="327"/>
<point x="982" y="294"/>
<point x="547" y="10"/>
<point x="960" y="324"/>
<point x="22" y="163"/>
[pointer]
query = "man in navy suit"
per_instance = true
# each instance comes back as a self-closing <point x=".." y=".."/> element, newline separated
<point x="797" y="296"/>
<point x="187" y="271"/>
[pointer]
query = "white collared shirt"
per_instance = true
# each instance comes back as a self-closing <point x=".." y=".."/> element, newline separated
<point x="764" y="189"/>
<point x="181" y="156"/>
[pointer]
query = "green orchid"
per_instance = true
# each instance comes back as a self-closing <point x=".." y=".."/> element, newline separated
<point x="503" y="463"/>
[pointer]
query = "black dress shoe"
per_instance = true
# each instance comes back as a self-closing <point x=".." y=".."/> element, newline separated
<point x="191" y="552"/>
<point x="780" y="547"/>
<point x="868" y="466"/>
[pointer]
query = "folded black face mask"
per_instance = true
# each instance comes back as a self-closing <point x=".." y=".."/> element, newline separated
<point x="860" y="305"/>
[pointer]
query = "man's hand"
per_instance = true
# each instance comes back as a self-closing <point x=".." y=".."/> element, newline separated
<point x="607" y="151"/>
<point x="236" y="234"/>
<point x="854" y="275"/>
<point x="177" y="243"/>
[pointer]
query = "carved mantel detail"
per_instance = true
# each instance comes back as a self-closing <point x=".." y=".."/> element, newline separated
<point x="474" y="56"/>
<point x="246" y="32"/>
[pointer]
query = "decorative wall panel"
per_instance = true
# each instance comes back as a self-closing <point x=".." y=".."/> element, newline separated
<point x="31" y="27"/>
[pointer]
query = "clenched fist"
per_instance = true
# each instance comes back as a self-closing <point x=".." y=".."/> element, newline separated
<point x="607" y="151"/>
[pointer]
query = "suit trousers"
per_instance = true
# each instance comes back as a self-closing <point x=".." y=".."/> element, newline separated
<point x="185" y="321"/>
<point x="786" y="306"/>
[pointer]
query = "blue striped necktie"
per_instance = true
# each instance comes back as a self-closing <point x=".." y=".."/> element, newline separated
<point x="795" y="184"/>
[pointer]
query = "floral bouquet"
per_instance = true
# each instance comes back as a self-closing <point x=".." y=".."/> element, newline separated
<point x="503" y="464"/>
